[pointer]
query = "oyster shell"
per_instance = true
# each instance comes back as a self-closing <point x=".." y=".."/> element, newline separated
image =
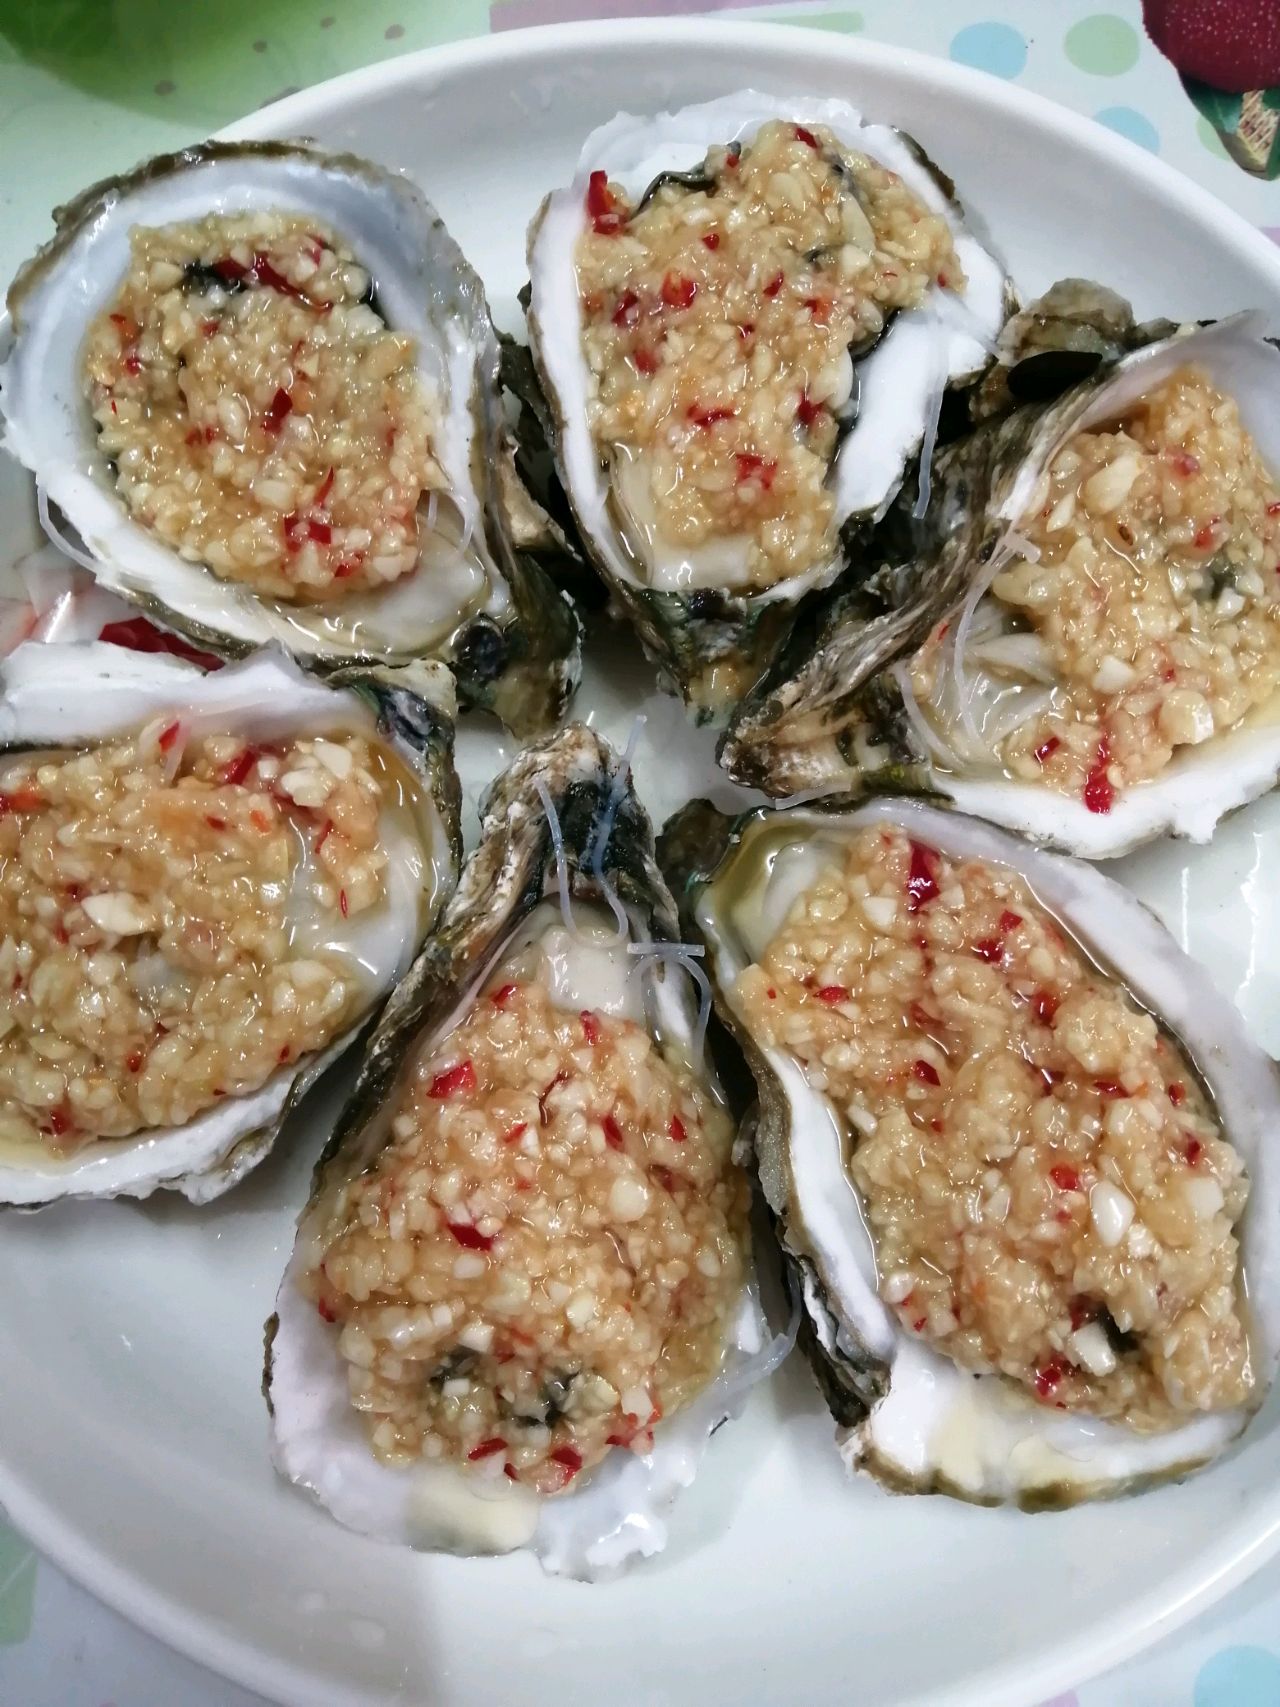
<point x="837" y="715"/>
<point x="694" y="610"/>
<point x="908" y="1414"/>
<point x="63" y="697"/>
<point x="477" y="599"/>
<point x="561" y="822"/>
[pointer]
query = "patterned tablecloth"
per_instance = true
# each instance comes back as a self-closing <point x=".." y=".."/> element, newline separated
<point x="88" y="86"/>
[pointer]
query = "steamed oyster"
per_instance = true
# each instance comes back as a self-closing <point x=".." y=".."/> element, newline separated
<point x="519" y="1301"/>
<point x="1005" y="1125"/>
<point x="207" y="884"/>
<point x="744" y="315"/>
<point x="261" y="384"/>
<point x="1086" y="645"/>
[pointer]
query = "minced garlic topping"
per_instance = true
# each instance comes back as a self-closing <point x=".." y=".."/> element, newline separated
<point x="1047" y="1189"/>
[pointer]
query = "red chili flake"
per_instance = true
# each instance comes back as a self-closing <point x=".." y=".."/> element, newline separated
<point x="168" y="735"/>
<point x="1049" y="1374"/>
<point x="260" y="820"/>
<point x="989" y="949"/>
<point x="620" y="1439"/>
<point x="343" y="903"/>
<point x="807" y="137"/>
<point x="60" y="934"/>
<point x="1109" y="1088"/>
<point x="215" y="823"/>
<point x="326" y="831"/>
<point x="132" y="363"/>
<point x="516" y="1133"/>
<point x="678" y="291"/>
<point x="1193" y="1151"/>
<point x="935" y="1125"/>
<point x="1081" y="1310"/>
<point x="1044" y="1005"/>
<point x="612" y="1133"/>
<point x="323" y="490"/>
<point x="320" y="531"/>
<point x="284" y="1054"/>
<point x="606" y="221"/>
<point x="926" y="1072"/>
<point x="1274" y="509"/>
<point x="510" y="1470"/>
<point x="665" y="1178"/>
<point x="1184" y="463"/>
<point x="626" y="310"/>
<point x="590" y="1027"/>
<point x="281" y="405"/>
<point x="128" y="328"/>
<point x="1099" y="792"/>
<point x="772" y="995"/>
<point x="264" y="273"/>
<point x="326" y="1310"/>
<point x="452" y="1080"/>
<point x="922" y="878"/>
<point x="487" y="1448"/>
<point x="774" y="285"/>
<point x="1177" y="1094"/>
<point x="918" y="1325"/>
<point x="711" y="239"/>
<point x="501" y="997"/>
<point x="21" y="800"/>
<point x="943" y="280"/>
<point x="59" y="1121"/>
<point x="74" y="891"/>
<point x="819" y="307"/>
<point x="807" y="411"/>
<point x="752" y="467"/>
<point x="134" y="1061"/>
<point x="1010" y="921"/>
<point x="1205" y="533"/>
<point x="139" y="635"/>
<point x="1065" y="1178"/>
<point x="569" y="1457"/>
<point x="645" y="360"/>
<point x="746" y="329"/>
<point x="832" y="993"/>
<point x="469" y="1237"/>
<point x="702" y="416"/>
<point x="236" y="770"/>
<point x="344" y="569"/>
<point x="676" y="1129"/>
<point x="542" y="1100"/>
<point x="194" y="437"/>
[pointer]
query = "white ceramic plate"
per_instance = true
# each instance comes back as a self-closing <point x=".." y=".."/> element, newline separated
<point x="133" y="1445"/>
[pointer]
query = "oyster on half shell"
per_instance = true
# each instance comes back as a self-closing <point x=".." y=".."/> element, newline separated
<point x="932" y="1387"/>
<point x="475" y="596"/>
<point x="116" y="995"/>
<point x="706" y="612"/>
<point x="848" y="709"/>
<point x="495" y="1342"/>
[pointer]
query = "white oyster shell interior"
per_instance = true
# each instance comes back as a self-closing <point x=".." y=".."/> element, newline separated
<point x="979" y="1435"/>
<point x="62" y="696"/>
<point x="899" y="384"/>
<point x="619" y="1512"/>
<point x="422" y="289"/>
<point x="1202" y="783"/>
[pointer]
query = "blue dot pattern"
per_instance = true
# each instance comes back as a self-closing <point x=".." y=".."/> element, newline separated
<point x="997" y="48"/>
<point x="1239" y="1677"/>
<point x="1131" y="123"/>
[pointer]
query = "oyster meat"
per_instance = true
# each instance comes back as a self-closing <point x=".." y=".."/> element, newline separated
<point x="260" y="383"/>
<point x="744" y="316"/>
<point x="519" y="1302"/>
<point x="208" y="882"/>
<point x="1082" y="641"/>
<point x="1020" y="1150"/>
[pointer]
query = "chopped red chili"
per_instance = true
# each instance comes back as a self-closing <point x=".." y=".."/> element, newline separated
<point x="1044" y="1005"/>
<point x="590" y="1027"/>
<point x="612" y="1133"/>
<point x="1010" y="921"/>
<point x="1046" y="749"/>
<point x="626" y="310"/>
<point x="1193" y="1151"/>
<point x="280" y="407"/>
<point x="676" y="1129"/>
<point x="139" y="635"/>
<point x="704" y="416"/>
<point x="807" y="137"/>
<point x="678" y="291"/>
<point x="501" y="997"/>
<point x="606" y="221"/>
<point x="1065" y="1178"/>
<point x="454" y="1079"/>
<point x="469" y="1237"/>
<point x="1099" y="791"/>
<point x="926" y="1072"/>
<point x="487" y="1448"/>
<point x="922" y="877"/>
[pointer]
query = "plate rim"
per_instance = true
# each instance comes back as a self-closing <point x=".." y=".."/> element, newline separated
<point x="1244" y="1545"/>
